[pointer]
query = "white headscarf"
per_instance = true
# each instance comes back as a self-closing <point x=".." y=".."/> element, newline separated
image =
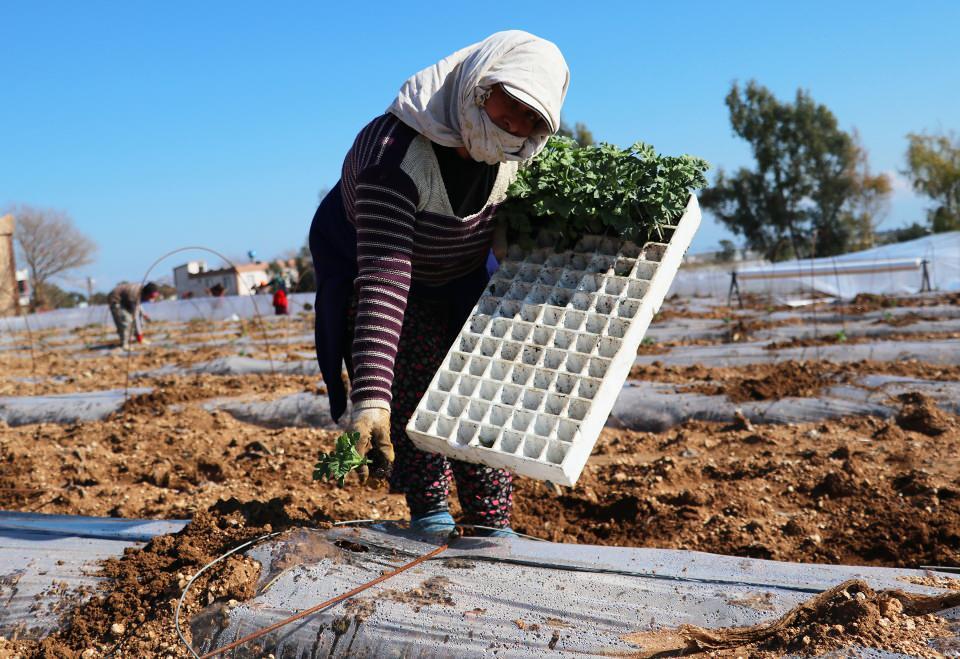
<point x="444" y="102"/>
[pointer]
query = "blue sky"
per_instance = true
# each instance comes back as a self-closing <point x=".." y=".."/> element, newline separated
<point x="158" y="125"/>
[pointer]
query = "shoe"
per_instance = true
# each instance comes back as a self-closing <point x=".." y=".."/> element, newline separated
<point x="435" y="523"/>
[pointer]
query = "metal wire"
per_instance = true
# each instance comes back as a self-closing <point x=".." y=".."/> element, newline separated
<point x="183" y="595"/>
<point x="137" y="310"/>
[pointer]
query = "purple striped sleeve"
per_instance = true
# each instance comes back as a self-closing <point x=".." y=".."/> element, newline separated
<point x="386" y="201"/>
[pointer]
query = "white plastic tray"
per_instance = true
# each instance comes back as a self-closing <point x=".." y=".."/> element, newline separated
<point x="529" y="382"/>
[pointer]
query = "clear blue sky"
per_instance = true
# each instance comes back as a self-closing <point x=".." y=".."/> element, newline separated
<point x="158" y="125"/>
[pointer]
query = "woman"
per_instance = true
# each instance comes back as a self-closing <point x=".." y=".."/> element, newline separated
<point x="400" y="248"/>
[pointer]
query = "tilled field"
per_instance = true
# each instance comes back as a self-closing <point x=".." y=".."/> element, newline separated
<point x="854" y="490"/>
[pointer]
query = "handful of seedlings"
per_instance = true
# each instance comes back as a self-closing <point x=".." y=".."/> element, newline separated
<point x="341" y="461"/>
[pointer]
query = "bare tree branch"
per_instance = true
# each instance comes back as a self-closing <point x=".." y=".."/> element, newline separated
<point x="50" y="244"/>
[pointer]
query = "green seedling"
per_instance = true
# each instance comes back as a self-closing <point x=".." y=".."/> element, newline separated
<point x="841" y="336"/>
<point x="341" y="461"/>
<point x="570" y="190"/>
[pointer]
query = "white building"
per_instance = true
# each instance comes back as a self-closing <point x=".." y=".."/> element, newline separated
<point x="193" y="279"/>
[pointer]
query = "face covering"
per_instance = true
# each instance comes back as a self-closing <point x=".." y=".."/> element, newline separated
<point x="444" y="102"/>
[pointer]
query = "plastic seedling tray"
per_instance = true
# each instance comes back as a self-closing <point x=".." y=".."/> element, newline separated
<point x="533" y="375"/>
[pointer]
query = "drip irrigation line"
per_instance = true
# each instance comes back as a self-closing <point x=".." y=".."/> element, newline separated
<point x="183" y="595"/>
<point x="417" y="560"/>
<point x="319" y="607"/>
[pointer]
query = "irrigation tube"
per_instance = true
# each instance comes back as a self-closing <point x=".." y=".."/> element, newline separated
<point x="183" y="595"/>
<point x="416" y="561"/>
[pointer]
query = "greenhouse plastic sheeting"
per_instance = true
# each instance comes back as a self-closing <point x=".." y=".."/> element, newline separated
<point x="516" y="596"/>
<point x="946" y="351"/>
<point x="655" y="407"/>
<point x="208" y="308"/>
<point x="941" y="251"/>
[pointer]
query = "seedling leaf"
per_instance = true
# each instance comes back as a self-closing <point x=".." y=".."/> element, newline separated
<point x="341" y="461"/>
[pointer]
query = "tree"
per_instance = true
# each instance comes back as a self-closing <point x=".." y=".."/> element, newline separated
<point x="55" y="297"/>
<point x="869" y="202"/>
<point x="306" y="277"/>
<point x="728" y="251"/>
<point x="933" y="163"/>
<point x="50" y="245"/>
<point x="812" y="192"/>
<point x="579" y="133"/>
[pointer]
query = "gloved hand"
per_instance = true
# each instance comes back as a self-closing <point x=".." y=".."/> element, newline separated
<point x="139" y="338"/>
<point x="373" y="424"/>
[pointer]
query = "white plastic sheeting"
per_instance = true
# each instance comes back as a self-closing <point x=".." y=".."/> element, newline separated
<point x="64" y="408"/>
<point x="47" y="561"/>
<point x="208" y="308"/>
<point x="570" y="600"/>
<point x="888" y="270"/>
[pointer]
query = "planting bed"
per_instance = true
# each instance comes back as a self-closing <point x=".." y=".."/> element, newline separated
<point x="869" y="490"/>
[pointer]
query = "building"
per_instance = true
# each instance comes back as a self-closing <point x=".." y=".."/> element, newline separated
<point x="193" y="279"/>
<point x="9" y="291"/>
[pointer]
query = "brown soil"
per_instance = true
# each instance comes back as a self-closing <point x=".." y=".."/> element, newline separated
<point x="134" y="615"/>
<point x="841" y="338"/>
<point x="847" y="492"/>
<point x="903" y="320"/>
<point x="866" y="302"/>
<point x="934" y="581"/>
<point x="783" y="379"/>
<point x="847" y="614"/>
<point x="921" y="414"/>
<point x="851" y="491"/>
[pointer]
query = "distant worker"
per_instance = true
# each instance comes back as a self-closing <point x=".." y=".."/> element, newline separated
<point x="125" y="305"/>
<point x="280" y="304"/>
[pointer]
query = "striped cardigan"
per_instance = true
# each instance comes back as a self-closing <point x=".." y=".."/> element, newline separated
<point x="393" y="194"/>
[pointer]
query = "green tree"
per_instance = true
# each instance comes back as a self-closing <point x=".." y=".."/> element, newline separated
<point x="811" y="193"/>
<point x="727" y="252"/>
<point x="869" y="202"/>
<point x="306" y="278"/>
<point x="579" y="133"/>
<point x="933" y="165"/>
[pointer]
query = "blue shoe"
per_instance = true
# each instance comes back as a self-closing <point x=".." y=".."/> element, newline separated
<point x="435" y="523"/>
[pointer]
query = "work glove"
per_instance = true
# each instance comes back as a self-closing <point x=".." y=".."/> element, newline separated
<point x="373" y="424"/>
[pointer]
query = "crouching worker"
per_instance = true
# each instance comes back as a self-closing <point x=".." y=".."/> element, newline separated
<point x="128" y="316"/>
<point x="400" y="246"/>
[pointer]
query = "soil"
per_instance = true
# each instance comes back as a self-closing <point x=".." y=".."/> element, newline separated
<point x="134" y="615"/>
<point x="784" y="379"/>
<point x="859" y="490"/>
<point x="841" y="338"/>
<point x="848" y="613"/>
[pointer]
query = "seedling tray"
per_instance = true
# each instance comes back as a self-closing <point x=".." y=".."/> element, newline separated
<point x="533" y="375"/>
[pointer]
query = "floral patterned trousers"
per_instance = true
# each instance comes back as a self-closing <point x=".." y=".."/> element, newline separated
<point x="486" y="494"/>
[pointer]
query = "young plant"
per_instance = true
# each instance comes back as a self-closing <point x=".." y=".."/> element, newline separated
<point x="341" y="461"/>
<point x="570" y="191"/>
